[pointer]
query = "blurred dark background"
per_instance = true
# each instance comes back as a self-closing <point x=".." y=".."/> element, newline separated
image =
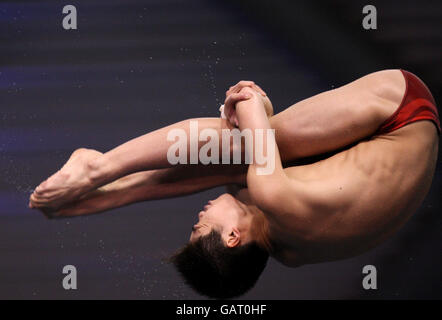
<point x="133" y="66"/>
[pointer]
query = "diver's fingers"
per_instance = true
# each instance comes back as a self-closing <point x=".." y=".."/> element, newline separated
<point x="245" y="83"/>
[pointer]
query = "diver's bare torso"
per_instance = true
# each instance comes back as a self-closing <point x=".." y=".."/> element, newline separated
<point x="368" y="190"/>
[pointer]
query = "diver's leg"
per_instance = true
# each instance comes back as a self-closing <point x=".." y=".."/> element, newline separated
<point x="151" y="185"/>
<point x="337" y="118"/>
<point x="83" y="173"/>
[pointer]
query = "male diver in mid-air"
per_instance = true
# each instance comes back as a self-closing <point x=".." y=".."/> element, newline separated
<point x="377" y="138"/>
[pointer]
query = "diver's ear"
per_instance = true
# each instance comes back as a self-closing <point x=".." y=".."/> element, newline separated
<point x="234" y="238"/>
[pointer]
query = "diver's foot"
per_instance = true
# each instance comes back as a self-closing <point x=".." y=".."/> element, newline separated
<point x="69" y="183"/>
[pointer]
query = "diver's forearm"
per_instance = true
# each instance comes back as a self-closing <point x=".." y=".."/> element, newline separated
<point x="268" y="171"/>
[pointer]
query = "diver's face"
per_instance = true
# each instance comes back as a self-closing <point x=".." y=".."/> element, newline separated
<point x="224" y="214"/>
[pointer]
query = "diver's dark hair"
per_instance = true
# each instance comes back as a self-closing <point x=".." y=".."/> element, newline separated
<point x="218" y="271"/>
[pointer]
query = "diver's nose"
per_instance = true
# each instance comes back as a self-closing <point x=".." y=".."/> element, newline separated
<point x="200" y="215"/>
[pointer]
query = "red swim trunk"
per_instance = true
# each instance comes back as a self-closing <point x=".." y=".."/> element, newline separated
<point x="417" y="104"/>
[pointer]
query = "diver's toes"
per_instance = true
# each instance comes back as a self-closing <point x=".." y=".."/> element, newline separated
<point x="37" y="201"/>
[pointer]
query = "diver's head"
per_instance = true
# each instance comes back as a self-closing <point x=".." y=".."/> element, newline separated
<point x="228" y="216"/>
<point x="227" y="250"/>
